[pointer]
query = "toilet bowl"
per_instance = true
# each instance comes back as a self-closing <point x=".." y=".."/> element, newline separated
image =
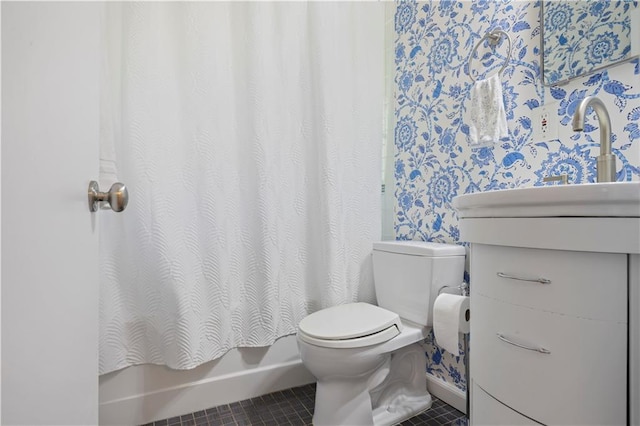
<point x="368" y="360"/>
<point x="348" y="377"/>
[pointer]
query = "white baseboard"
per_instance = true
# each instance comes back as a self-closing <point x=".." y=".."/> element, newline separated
<point x="202" y="394"/>
<point x="447" y="393"/>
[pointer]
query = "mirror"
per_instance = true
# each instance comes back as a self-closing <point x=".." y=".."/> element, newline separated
<point x="582" y="37"/>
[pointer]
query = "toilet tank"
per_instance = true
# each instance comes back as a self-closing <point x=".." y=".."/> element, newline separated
<point x="408" y="275"/>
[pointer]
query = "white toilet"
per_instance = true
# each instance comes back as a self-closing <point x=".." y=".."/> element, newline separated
<point x="368" y="362"/>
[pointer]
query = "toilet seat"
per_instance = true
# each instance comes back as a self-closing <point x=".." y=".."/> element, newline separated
<point x="351" y="325"/>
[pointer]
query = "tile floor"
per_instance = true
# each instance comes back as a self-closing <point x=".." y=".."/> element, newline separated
<point x="294" y="407"/>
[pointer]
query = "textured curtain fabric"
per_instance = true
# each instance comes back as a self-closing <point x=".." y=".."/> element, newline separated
<point x="249" y="136"/>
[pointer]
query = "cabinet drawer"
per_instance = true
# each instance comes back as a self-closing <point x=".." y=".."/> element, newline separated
<point x="582" y="380"/>
<point x="486" y="410"/>
<point x="582" y="284"/>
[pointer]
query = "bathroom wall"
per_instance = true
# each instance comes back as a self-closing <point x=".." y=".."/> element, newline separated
<point x="433" y="161"/>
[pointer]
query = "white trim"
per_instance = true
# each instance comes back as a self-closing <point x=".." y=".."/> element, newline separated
<point x="634" y="339"/>
<point x="447" y="393"/>
<point x="199" y="395"/>
<point x="389" y="122"/>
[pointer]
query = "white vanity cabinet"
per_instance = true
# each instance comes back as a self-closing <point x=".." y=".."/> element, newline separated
<point x="550" y="304"/>
<point x="536" y="315"/>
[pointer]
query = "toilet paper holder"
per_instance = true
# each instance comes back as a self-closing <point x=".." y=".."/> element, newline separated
<point x="463" y="288"/>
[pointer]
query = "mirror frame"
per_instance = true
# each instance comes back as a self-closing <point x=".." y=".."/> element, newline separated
<point x="633" y="55"/>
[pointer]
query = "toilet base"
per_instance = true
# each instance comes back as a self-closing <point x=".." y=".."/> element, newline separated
<point x="403" y="393"/>
<point x="391" y="392"/>
<point x="405" y="409"/>
<point x="342" y="403"/>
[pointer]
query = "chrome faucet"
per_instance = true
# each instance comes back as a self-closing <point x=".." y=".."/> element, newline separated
<point x="606" y="161"/>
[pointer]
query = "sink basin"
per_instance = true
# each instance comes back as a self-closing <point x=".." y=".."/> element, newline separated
<point x="614" y="199"/>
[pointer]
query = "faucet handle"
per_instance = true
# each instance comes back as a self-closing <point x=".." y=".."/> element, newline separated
<point x="563" y="179"/>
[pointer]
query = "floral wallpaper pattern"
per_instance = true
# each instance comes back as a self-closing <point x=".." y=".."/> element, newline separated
<point x="580" y="36"/>
<point x="433" y="159"/>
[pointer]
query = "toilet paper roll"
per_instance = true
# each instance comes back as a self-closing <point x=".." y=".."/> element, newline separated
<point x="450" y="317"/>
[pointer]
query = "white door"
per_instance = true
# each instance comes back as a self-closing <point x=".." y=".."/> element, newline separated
<point x="50" y="126"/>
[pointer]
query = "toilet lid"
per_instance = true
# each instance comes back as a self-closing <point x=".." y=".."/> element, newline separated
<point x="350" y="325"/>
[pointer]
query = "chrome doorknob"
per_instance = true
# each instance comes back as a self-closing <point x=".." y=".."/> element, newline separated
<point x="117" y="197"/>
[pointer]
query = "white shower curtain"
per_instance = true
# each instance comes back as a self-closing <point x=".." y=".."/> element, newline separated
<point x="249" y="136"/>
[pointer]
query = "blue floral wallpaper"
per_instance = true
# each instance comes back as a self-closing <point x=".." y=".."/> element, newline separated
<point x="433" y="159"/>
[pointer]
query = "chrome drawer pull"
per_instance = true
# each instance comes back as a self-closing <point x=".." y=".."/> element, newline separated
<point x="531" y="280"/>
<point x="529" y="348"/>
